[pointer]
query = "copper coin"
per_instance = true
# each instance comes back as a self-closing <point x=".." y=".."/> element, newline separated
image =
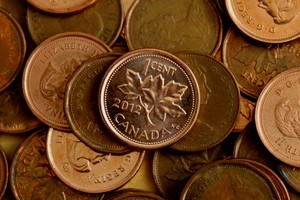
<point x="220" y="100"/>
<point x="66" y="6"/>
<point x="290" y="174"/>
<point x="12" y="49"/>
<point x="133" y="195"/>
<point x="48" y="70"/>
<point x="149" y="98"/>
<point x="3" y="172"/>
<point x="82" y="109"/>
<point x="174" y="26"/>
<point x="266" y="21"/>
<point x="31" y="176"/>
<point x="277" y="116"/>
<point x="86" y="170"/>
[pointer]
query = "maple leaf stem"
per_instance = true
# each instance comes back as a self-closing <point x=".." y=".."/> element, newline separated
<point x="148" y="111"/>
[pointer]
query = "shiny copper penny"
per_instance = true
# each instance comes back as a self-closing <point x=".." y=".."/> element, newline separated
<point x="86" y="170"/>
<point x="174" y="26"/>
<point x="57" y="6"/>
<point x="82" y="109"/>
<point x="277" y="116"/>
<point x="12" y="49"/>
<point x="3" y="172"/>
<point x="31" y="176"/>
<point x="267" y="21"/>
<point x="48" y="70"/>
<point x="149" y="98"/>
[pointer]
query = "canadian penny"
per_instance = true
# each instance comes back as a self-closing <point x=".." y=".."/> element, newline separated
<point x="86" y="170"/>
<point x="277" y="115"/>
<point x="174" y="26"/>
<point x="48" y="70"/>
<point x="133" y="195"/>
<point x="4" y="171"/>
<point x="290" y="175"/>
<point x="220" y="100"/>
<point x="149" y="98"/>
<point x="266" y="21"/>
<point x="12" y="49"/>
<point x="81" y="108"/>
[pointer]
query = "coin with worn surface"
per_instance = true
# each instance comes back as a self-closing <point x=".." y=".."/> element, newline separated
<point x="290" y="174"/>
<point x="267" y="21"/>
<point x="86" y="170"/>
<point x="3" y="172"/>
<point x="103" y="20"/>
<point x="61" y="7"/>
<point x="81" y="107"/>
<point x="133" y="195"/>
<point x="31" y="176"/>
<point x="192" y="25"/>
<point x="254" y="64"/>
<point x="12" y="49"/>
<point x="219" y="103"/>
<point x="277" y="116"/>
<point x="149" y="98"/>
<point x="48" y="70"/>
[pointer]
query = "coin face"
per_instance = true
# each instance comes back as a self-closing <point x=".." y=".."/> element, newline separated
<point x="48" y="70"/>
<point x="12" y="49"/>
<point x="267" y="21"/>
<point x="276" y="116"/>
<point x="3" y="172"/>
<point x="154" y="87"/>
<point x="86" y="170"/>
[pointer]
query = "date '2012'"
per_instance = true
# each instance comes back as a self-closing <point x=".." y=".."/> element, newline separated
<point x="126" y="106"/>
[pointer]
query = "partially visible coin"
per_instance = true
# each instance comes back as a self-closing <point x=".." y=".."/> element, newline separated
<point x="48" y="70"/>
<point x="4" y="171"/>
<point x="133" y="195"/>
<point x="86" y="170"/>
<point x="12" y="49"/>
<point x="149" y="98"/>
<point x="290" y="174"/>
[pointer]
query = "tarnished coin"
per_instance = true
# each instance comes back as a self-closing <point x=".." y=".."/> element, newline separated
<point x="103" y="20"/>
<point x="277" y="116"/>
<point x="3" y="172"/>
<point x="31" y="176"/>
<point x="290" y="174"/>
<point x="269" y="21"/>
<point x="86" y="170"/>
<point x="81" y="107"/>
<point x="133" y="195"/>
<point x="174" y="26"/>
<point x="66" y="6"/>
<point x="48" y="70"/>
<point x="149" y="98"/>
<point x="219" y="103"/>
<point x="255" y="64"/>
<point x="12" y="49"/>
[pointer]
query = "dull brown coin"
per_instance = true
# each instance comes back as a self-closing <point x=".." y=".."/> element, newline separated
<point x="174" y="26"/>
<point x="31" y="176"/>
<point x="266" y="20"/>
<point x="132" y="194"/>
<point x="290" y="175"/>
<point x="82" y="109"/>
<point x="86" y="170"/>
<point x="48" y="70"/>
<point x="12" y="49"/>
<point x="4" y="171"/>
<point x="149" y="98"/>
<point x="62" y="7"/>
<point x="277" y="116"/>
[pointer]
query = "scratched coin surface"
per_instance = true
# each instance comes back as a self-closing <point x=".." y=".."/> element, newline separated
<point x="269" y="21"/>
<point x="86" y="170"/>
<point x="31" y="176"/>
<point x="12" y="49"/>
<point x="48" y="70"/>
<point x="277" y="116"/>
<point x="149" y="98"/>
<point x="81" y="107"/>
<point x="4" y="171"/>
<point x="174" y="26"/>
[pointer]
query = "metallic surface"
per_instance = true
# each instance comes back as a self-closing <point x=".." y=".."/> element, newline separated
<point x="4" y="171"/>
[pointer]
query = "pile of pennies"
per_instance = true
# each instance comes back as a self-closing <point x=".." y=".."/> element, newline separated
<point x="150" y="99"/>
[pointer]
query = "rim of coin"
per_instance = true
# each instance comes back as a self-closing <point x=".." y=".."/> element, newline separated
<point x="133" y="194"/>
<point x="4" y="172"/>
<point x="143" y="91"/>
<point x="290" y="175"/>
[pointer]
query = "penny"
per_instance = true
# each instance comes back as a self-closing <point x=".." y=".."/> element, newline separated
<point x="133" y="195"/>
<point x="48" y="70"/>
<point x="87" y="170"/>
<point x="255" y="64"/>
<point x="62" y="7"/>
<point x="103" y="20"/>
<point x="220" y="99"/>
<point x="81" y="108"/>
<point x="192" y="25"/>
<point x="3" y="172"/>
<point x="154" y="87"/>
<point x="290" y="175"/>
<point x="266" y="21"/>
<point x="12" y="49"/>
<point x="276" y="116"/>
<point x="31" y="176"/>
